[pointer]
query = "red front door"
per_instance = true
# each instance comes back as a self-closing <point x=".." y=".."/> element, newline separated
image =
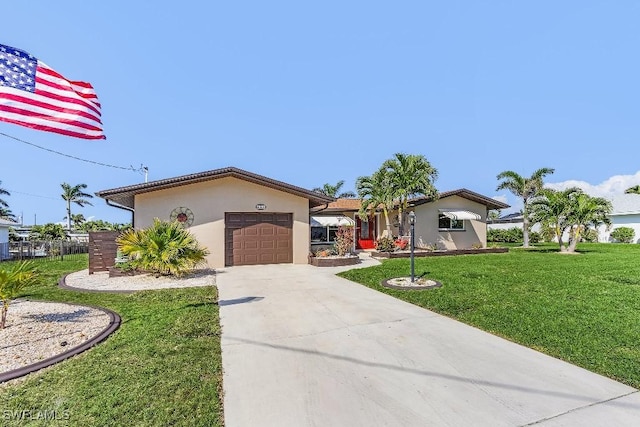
<point x="366" y="233"/>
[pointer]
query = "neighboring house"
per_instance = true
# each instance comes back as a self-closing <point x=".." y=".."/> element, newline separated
<point x="4" y="237"/>
<point x="625" y="213"/>
<point x="455" y="220"/>
<point x="241" y="217"/>
<point x="512" y="220"/>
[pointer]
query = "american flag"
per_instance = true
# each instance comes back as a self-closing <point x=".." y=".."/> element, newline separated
<point x="32" y="94"/>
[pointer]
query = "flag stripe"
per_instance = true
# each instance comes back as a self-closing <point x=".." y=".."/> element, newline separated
<point x="34" y="95"/>
<point x="46" y="122"/>
<point x="84" y="135"/>
<point x="16" y="99"/>
<point x="58" y="119"/>
<point x="46" y="75"/>
<point x="63" y="93"/>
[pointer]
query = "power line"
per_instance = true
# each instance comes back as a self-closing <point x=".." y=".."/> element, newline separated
<point x="33" y="195"/>
<point x="130" y="168"/>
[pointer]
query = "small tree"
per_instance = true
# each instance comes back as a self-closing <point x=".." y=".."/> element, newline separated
<point x="47" y="231"/>
<point x="12" y="282"/>
<point x="164" y="249"/>
<point x="623" y="234"/>
<point x="343" y="240"/>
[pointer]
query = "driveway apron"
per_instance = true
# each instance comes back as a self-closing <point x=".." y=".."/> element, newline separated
<point x="303" y="347"/>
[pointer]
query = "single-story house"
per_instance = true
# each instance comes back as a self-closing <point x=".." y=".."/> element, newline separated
<point x="244" y="218"/>
<point x="454" y="220"/>
<point x="241" y="217"/>
<point x="4" y="237"/>
<point x="625" y="213"/>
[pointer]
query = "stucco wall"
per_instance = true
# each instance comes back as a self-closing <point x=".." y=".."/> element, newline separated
<point x="630" y="220"/>
<point x="475" y="231"/>
<point x="4" y="234"/>
<point x="210" y="200"/>
<point x="4" y="242"/>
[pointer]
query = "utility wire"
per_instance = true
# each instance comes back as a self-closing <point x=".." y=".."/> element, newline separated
<point x="33" y="195"/>
<point x="130" y="168"/>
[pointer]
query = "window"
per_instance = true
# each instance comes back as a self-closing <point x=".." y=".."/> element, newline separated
<point x="323" y="234"/>
<point x="446" y="223"/>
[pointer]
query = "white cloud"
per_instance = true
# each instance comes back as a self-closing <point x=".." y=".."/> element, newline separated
<point x="609" y="187"/>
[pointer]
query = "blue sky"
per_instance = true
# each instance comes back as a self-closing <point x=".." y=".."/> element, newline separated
<point x="310" y="93"/>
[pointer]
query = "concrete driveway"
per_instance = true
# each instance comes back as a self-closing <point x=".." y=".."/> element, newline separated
<point x="302" y="347"/>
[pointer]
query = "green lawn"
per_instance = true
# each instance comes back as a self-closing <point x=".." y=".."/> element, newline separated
<point x="582" y="308"/>
<point x="162" y="367"/>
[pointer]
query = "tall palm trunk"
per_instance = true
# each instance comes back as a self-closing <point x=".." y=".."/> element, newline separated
<point x="69" y="215"/>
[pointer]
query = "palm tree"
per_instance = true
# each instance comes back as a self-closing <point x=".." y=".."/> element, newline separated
<point x="74" y="195"/>
<point x="165" y="248"/>
<point x="411" y="175"/>
<point x="552" y="209"/>
<point x="375" y="192"/>
<point x="587" y="211"/>
<point x="526" y="189"/>
<point x="6" y="213"/>
<point x="3" y="192"/>
<point x="77" y="220"/>
<point x="334" y="191"/>
<point x="633" y="190"/>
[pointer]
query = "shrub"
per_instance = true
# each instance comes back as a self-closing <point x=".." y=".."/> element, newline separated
<point x="402" y="244"/>
<point x="343" y="240"/>
<point x="590" y="236"/>
<point x="165" y="248"/>
<point x="623" y="234"/>
<point x="325" y="252"/>
<point x="385" y="244"/>
<point x="12" y="282"/>
<point x="534" y="237"/>
<point x="509" y="235"/>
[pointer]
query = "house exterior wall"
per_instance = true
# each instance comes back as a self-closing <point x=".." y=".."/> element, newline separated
<point x="427" y="232"/>
<point x="4" y="242"/>
<point x="4" y="234"/>
<point x="211" y="199"/>
<point x="631" y="220"/>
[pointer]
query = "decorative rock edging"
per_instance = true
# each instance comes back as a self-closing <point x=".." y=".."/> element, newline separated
<point x="452" y="252"/>
<point x="114" y="323"/>
<point x="62" y="284"/>
<point x="386" y="284"/>
<point x="333" y="262"/>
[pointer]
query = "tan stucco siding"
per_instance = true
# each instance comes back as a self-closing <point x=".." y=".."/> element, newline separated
<point x="209" y="201"/>
<point x="475" y="231"/>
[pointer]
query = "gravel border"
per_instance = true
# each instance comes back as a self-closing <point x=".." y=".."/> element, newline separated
<point x="405" y="283"/>
<point x="82" y="281"/>
<point x="112" y="326"/>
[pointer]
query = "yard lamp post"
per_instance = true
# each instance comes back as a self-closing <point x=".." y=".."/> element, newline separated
<point x="412" y="222"/>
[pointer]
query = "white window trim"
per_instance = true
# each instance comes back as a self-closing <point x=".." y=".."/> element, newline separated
<point x="452" y="229"/>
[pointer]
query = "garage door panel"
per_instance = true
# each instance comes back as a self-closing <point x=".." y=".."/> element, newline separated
<point x="258" y="238"/>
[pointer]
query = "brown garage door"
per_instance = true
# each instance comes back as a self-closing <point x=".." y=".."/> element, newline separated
<point x="258" y="238"/>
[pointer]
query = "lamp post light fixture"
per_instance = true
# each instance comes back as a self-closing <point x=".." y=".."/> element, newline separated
<point x="412" y="222"/>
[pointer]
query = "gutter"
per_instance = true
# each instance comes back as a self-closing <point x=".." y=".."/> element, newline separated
<point x="126" y="208"/>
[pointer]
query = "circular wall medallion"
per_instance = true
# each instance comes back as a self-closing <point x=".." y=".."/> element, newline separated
<point x="183" y="215"/>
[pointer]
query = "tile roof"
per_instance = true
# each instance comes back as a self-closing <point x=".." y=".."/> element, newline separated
<point x="625" y="204"/>
<point x="467" y="194"/>
<point x="346" y="205"/>
<point x="124" y="196"/>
